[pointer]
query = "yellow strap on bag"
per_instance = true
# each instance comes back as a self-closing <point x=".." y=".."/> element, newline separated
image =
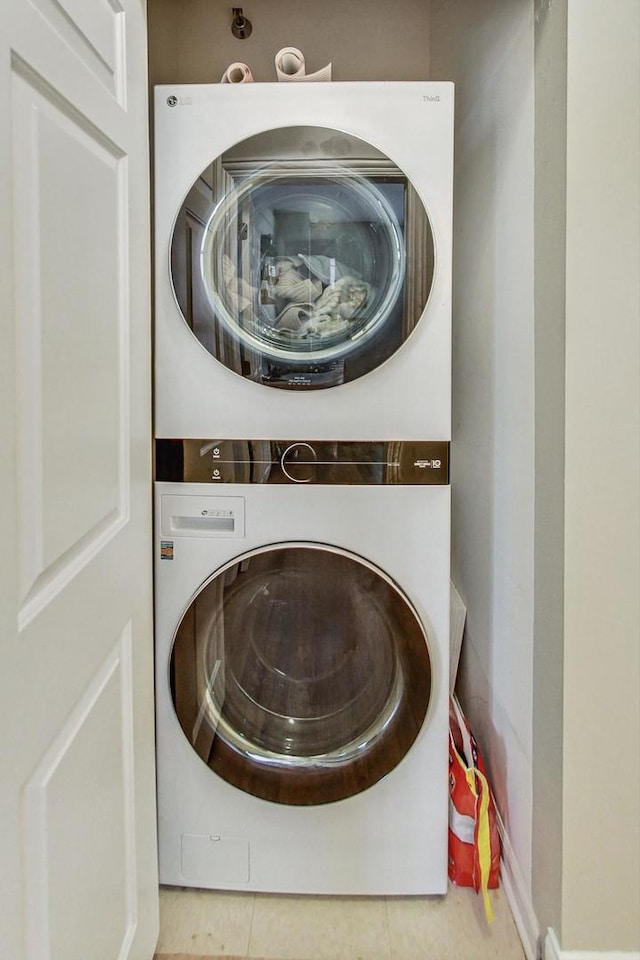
<point x="484" y="837"/>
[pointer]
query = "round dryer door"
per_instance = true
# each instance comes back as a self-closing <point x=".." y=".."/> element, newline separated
<point x="300" y="674"/>
<point x="302" y="258"/>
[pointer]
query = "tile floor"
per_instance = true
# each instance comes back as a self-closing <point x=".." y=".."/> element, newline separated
<point x="204" y="924"/>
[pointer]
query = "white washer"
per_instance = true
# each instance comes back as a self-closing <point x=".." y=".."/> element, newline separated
<point x="303" y="260"/>
<point x="302" y="676"/>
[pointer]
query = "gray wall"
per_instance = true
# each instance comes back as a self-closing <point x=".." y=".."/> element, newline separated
<point x="191" y="40"/>
<point x="487" y="49"/>
<point x="548" y="671"/>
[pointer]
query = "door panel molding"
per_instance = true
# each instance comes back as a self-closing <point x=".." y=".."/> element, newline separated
<point x="96" y="34"/>
<point x="71" y="358"/>
<point x="63" y="834"/>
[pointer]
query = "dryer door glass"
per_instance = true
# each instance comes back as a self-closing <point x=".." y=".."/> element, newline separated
<point x="300" y="674"/>
<point x="302" y="258"/>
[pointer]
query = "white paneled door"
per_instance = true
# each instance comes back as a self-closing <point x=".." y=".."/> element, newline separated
<point x="77" y="817"/>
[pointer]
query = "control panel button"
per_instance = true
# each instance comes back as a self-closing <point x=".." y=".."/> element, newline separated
<point x="298" y="462"/>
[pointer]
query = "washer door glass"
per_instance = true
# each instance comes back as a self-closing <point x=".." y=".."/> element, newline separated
<point x="300" y="674"/>
<point x="302" y="258"/>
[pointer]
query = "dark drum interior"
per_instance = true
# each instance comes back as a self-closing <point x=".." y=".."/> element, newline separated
<point x="300" y="674"/>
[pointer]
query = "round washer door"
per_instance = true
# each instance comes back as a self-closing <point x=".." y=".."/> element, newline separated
<point x="300" y="674"/>
<point x="302" y="258"/>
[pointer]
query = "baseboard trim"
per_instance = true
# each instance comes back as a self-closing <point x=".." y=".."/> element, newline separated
<point x="518" y="896"/>
<point x="553" y="951"/>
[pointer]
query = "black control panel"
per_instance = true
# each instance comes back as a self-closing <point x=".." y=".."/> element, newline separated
<point x="340" y="462"/>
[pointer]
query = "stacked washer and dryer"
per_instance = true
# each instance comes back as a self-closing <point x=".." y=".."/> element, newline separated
<point x="302" y="500"/>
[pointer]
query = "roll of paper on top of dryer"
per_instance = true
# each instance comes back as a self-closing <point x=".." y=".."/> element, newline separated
<point x="290" y="65"/>
<point x="237" y="73"/>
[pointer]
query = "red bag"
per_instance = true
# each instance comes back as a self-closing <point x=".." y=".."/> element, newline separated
<point x="474" y="844"/>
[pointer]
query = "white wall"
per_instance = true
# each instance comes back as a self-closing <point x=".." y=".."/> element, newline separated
<point x="487" y="49"/>
<point x="601" y="783"/>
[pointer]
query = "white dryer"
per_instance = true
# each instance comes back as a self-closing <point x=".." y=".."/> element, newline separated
<point x="302" y="624"/>
<point x="303" y="260"/>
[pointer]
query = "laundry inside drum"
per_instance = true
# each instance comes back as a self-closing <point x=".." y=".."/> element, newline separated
<point x="321" y="267"/>
<point x="302" y="258"/>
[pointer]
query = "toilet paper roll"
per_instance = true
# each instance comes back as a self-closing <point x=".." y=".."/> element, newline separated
<point x="290" y="65"/>
<point x="237" y="73"/>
